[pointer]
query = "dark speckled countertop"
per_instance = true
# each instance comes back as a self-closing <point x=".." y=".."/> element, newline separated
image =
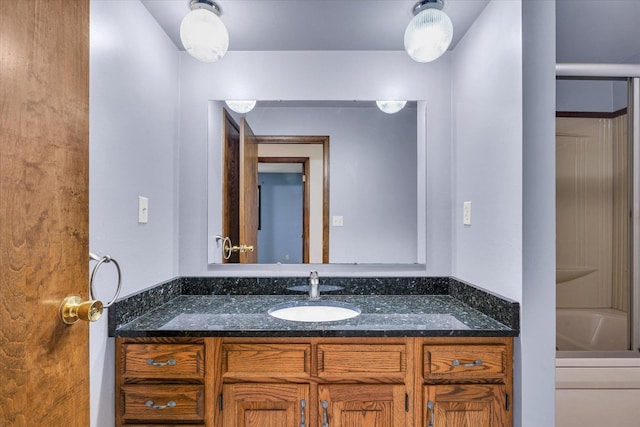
<point x="452" y="311"/>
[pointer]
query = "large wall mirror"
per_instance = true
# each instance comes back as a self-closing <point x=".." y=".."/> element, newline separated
<point x="331" y="182"/>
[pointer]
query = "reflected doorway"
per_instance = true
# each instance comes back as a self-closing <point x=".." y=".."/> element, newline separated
<point x="283" y="210"/>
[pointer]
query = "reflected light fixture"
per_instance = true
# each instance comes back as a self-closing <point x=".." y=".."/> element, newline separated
<point x="391" y="107"/>
<point x="241" y="106"/>
<point x="429" y="33"/>
<point x="203" y="33"/>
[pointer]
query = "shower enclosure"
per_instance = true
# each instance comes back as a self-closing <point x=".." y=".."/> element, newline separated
<point x="594" y="225"/>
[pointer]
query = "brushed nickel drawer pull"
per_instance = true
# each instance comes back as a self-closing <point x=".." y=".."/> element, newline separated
<point x="431" y="414"/>
<point x="170" y="404"/>
<point x="477" y="362"/>
<point x="303" y="404"/>
<point x="169" y="362"/>
<point x="325" y="405"/>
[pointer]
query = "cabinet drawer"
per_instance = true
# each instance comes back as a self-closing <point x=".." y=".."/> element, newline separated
<point x="465" y="361"/>
<point x="162" y="403"/>
<point x="163" y="361"/>
<point x="266" y="360"/>
<point x="360" y="359"/>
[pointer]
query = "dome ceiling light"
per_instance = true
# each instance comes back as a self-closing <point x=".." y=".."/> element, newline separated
<point x="241" y="106"/>
<point x="429" y="33"/>
<point x="203" y="33"/>
<point x="391" y="107"/>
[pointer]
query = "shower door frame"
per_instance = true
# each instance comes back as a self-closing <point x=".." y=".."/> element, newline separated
<point x="632" y="73"/>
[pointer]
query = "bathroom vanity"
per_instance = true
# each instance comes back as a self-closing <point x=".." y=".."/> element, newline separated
<point x="409" y="359"/>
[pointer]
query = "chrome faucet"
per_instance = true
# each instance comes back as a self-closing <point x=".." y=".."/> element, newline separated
<point x="314" y="286"/>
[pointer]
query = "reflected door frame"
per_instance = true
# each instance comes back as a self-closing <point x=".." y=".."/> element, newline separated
<point x="324" y="141"/>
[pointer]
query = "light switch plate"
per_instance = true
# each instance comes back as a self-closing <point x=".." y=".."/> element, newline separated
<point x="466" y="213"/>
<point x="337" y="221"/>
<point x="143" y="210"/>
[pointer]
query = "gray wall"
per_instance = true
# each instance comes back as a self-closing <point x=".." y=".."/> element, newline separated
<point x="373" y="176"/>
<point x="492" y="159"/>
<point x="591" y="95"/>
<point x="132" y="152"/>
<point x="535" y="349"/>
<point x="504" y="157"/>
<point x="487" y="117"/>
<point x="310" y="76"/>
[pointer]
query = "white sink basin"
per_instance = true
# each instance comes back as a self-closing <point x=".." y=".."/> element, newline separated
<point x="314" y="311"/>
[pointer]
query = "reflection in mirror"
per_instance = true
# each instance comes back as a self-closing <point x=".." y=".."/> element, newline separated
<point x="369" y="212"/>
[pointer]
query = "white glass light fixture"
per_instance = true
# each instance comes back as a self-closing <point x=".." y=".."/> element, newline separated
<point x="429" y="33"/>
<point x="391" y="107"/>
<point x="241" y="106"/>
<point x="203" y="33"/>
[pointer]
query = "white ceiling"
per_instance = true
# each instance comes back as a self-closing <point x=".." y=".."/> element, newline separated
<point x="314" y="24"/>
<point x="587" y="30"/>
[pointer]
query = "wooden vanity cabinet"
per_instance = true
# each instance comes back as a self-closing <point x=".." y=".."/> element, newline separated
<point x="162" y="382"/>
<point x="349" y="382"/>
<point x="467" y="383"/>
<point x="285" y="382"/>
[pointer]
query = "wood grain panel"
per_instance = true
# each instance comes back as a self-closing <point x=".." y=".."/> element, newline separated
<point x="468" y="405"/>
<point x="44" y="142"/>
<point x="369" y="359"/>
<point x="231" y="183"/>
<point x="164" y="361"/>
<point x="266" y="360"/>
<point x="261" y="405"/>
<point x="379" y="405"/>
<point x="439" y="361"/>
<point x="188" y="402"/>
<point x="248" y="193"/>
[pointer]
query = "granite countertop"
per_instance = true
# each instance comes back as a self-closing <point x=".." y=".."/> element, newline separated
<point x="247" y="315"/>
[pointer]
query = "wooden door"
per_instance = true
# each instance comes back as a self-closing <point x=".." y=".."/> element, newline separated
<point x="262" y="405"/>
<point x="363" y="405"/>
<point x="248" y="192"/>
<point x="231" y="183"/>
<point x="467" y="406"/>
<point x="44" y="143"/>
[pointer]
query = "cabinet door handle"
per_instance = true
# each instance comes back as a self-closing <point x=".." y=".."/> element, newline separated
<point x="477" y="362"/>
<point x="325" y="405"/>
<point x="169" y="362"/>
<point x="170" y="404"/>
<point x="303" y="404"/>
<point x="430" y="414"/>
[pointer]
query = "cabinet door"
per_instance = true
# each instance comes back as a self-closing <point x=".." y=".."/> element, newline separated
<point x="362" y="405"/>
<point x="466" y="406"/>
<point x="261" y="405"/>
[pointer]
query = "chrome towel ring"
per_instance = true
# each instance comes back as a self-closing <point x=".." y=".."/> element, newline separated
<point x="104" y="260"/>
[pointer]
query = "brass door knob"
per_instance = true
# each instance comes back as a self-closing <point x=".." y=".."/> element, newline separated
<point x="242" y="248"/>
<point x="73" y="309"/>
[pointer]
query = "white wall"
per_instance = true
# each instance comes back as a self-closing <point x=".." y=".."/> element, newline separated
<point x="503" y="137"/>
<point x="487" y="144"/>
<point x="310" y="76"/>
<point x="132" y="151"/>
<point x="372" y="172"/>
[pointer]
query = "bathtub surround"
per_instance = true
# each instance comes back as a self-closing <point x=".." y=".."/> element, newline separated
<point x="440" y="295"/>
